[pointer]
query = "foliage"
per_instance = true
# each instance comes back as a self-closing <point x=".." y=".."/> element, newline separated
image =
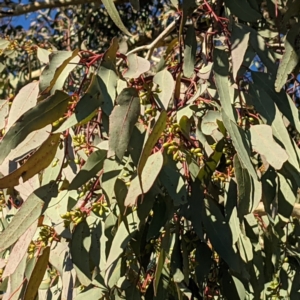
<point x="124" y="177"/>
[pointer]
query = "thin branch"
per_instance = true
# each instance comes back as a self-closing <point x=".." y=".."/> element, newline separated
<point x="152" y="46"/>
<point x="19" y="9"/>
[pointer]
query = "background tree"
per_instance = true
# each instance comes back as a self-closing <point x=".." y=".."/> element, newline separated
<point x="155" y="156"/>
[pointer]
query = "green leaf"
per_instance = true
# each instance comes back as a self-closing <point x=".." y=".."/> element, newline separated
<point x="204" y="261"/>
<point x="268" y="110"/>
<point x="111" y="171"/>
<point x="92" y="166"/>
<point x="25" y="99"/>
<point x="149" y="174"/>
<point x="122" y="238"/>
<point x="166" y="84"/>
<point x="283" y="101"/>
<point x="136" y="66"/>
<point x="221" y="67"/>
<point x="212" y="162"/>
<point x="239" y="46"/>
<point x="171" y="178"/>
<point x="88" y="103"/>
<point x="37" y="275"/>
<point x="80" y="246"/>
<point x="19" y="250"/>
<point x="214" y="223"/>
<point x="243" y="10"/>
<point x="289" y="59"/>
<point x="233" y="288"/>
<point x="122" y="121"/>
<point x="249" y="189"/>
<point x="287" y="196"/>
<point x="90" y="293"/>
<point x="59" y="60"/>
<point x="190" y="48"/>
<point x="262" y="142"/>
<point x="4" y="108"/>
<point x="209" y="122"/>
<point x="259" y="45"/>
<point x="29" y="212"/>
<point x="16" y="280"/>
<point x="152" y="139"/>
<point x="113" y="13"/>
<point x="107" y="77"/>
<point x="240" y="143"/>
<point x="44" y="113"/>
<point x="37" y="162"/>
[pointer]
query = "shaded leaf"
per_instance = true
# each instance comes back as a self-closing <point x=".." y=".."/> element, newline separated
<point x="37" y="275"/>
<point x="173" y="181"/>
<point x="166" y="84"/>
<point x="240" y="143"/>
<point x="44" y="113"/>
<point x="289" y="59"/>
<point x="263" y="143"/>
<point x="240" y="43"/>
<point x="268" y="110"/>
<point x="215" y="223"/>
<point x="249" y="189"/>
<point x="92" y="166"/>
<point x="212" y="162"/>
<point x="243" y="10"/>
<point x="149" y="174"/>
<point x="79" y="248"/>
<point x="283" y="101"/>
<point x="136" y="66"/>
<point x="107" y="77"/>
<point x="258" y="44"/>
<point x="121" y="238"/>
<point x="122" y="120"/>
<point x="190" y="48"/>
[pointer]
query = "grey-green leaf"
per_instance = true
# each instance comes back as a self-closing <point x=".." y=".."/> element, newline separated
<point x="122" y="121"/>
<point x="190" y="48"/>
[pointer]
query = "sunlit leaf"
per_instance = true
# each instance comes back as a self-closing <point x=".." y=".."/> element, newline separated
<point x="25" y="99"/>
<point x="149" y="174"/>
<point x="29" y="212"/>
<point x="35" y="163"/>
<point x="152" y="139"/>
<point x="262" y="141"/>
<point x="190" y="48"/>
<point x="37" y="275"/>
<point x="44" y="113"/>
<point x="166" y="85"/>
<point x="136" y="66"/>
<point x="59" y="60"/>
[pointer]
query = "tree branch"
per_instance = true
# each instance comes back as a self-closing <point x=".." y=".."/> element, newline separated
<point x="13" y="9"/>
